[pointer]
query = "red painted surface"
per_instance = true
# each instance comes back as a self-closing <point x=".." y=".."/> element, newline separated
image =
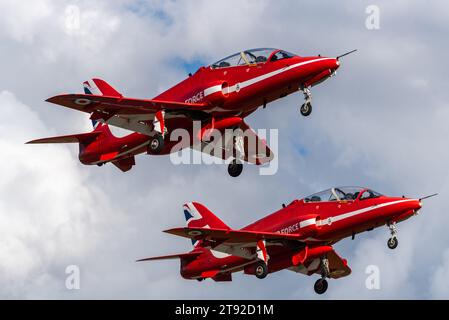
<point x="290" y="243"/>
<point x="219" y="97"/>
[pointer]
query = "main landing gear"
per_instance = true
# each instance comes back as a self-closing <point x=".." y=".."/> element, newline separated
<point x="156" y="143"/>
<point x="321" y="285"/>
<point x="393" y="241"/>
<point x="261" y="270"/>
<point x="306" y="108"/>
<point x="235" y="168"/>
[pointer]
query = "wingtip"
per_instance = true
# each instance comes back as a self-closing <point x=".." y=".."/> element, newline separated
<point x="51" y="99"/>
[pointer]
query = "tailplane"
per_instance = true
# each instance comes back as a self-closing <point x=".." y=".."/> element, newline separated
<point x="81" y="138"/>
<point x="184" y="256"/>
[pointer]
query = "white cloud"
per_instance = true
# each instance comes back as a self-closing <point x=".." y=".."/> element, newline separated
<point x="48" y="211"/>
<point x="21" y="21"/>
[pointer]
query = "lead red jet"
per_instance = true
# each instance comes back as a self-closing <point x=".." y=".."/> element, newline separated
<point x="219" y="96"/>
<point x="299" y="237"/>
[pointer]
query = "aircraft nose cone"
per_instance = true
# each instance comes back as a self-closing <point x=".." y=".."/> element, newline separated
<point x="337" y="64"/>
<point x="419" y="204"/>
<point x="416" y="205"/>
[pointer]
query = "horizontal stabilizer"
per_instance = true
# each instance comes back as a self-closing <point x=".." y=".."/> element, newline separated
<point x="74" y="138"/>
<point x="189" y="255"/>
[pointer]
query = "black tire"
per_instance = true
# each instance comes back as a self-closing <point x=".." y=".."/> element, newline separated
<point x="235" y="169"/>
<point x="306" y="109"/>
<point x="261" y="270"/>
<point x="320" y="286"/>
<point x="156" y="144"/>
<point x="200" y="279"/>
<point x="392" y="243"/>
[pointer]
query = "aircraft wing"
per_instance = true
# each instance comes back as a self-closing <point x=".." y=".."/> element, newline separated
<point x="120" y="105"/>
<point x="254" y="149"/>
<point x="127" y="113"/>
<point x="224" y="236"/>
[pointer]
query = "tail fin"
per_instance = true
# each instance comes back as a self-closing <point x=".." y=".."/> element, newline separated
<point x="198" y="216"/>
<point x="100" y="88"/>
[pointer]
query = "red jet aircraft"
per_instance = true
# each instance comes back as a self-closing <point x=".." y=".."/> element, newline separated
<point x="299" y="237"/>
<point x="220" y="96"/>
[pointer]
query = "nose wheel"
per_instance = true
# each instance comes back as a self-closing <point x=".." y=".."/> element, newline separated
<point x="393" y="242"/>
<point x="306" y="108"/>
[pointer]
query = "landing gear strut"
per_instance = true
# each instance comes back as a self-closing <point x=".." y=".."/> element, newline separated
<point x="306" y="108"/>
<point x="321" y="285"/>
<point x="393" y="241"/>
<point x="157" y="141"/>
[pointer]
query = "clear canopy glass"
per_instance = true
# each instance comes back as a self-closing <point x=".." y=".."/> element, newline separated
<point x="341" y="194"/>
<point x="251" y="57"/>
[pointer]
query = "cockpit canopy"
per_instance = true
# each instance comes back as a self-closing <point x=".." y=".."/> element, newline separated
<point x="251" y="57"/>
<point x="342" y="194"/>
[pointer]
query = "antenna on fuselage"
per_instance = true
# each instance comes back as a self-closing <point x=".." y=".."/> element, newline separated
<point x="427" y="197"/>
<point x="345" y="54"/>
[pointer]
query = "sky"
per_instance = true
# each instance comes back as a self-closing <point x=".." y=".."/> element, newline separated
<point x="381" y="122"/>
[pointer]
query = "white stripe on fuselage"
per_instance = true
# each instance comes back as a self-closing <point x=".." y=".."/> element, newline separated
<point x="247" y="83"/>
<point x="357" y="212"/>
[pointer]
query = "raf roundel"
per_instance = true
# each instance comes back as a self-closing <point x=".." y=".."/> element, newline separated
<point x="194" y="233"/>
<point x="83" y="102"/>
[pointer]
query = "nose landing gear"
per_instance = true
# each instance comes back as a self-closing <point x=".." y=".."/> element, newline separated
<point x="393" y="241"/>
<point x="306" y="108"/>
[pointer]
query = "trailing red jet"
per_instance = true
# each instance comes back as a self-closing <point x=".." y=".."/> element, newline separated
<point x="219" y="96"/>
<point x="299" y="237"/>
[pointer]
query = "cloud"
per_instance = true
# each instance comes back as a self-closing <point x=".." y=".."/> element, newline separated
<point x="47" y="210"/>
